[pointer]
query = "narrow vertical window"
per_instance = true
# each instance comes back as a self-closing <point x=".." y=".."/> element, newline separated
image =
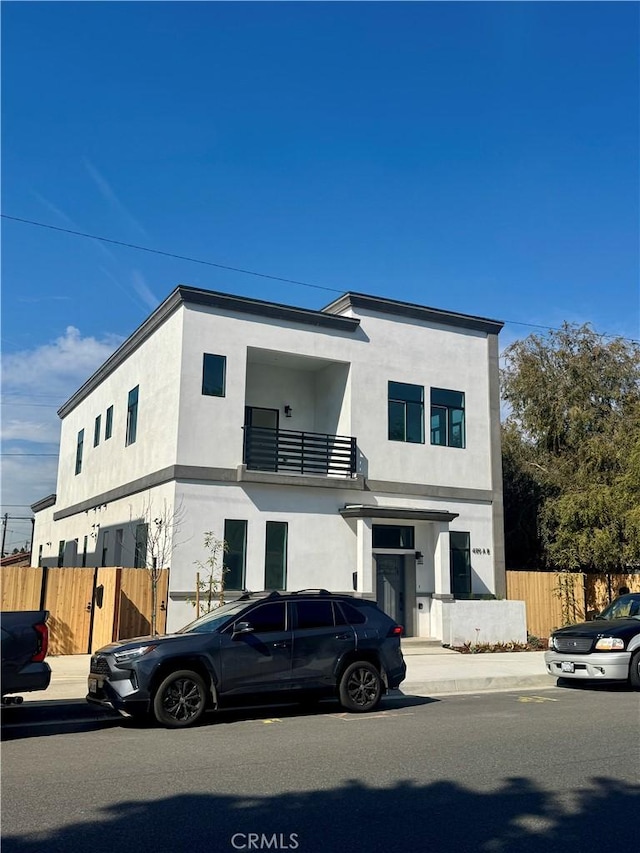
<point x="108" y="423"/>
<point x="406" y="412"/>
<point x="40" y="556"/>
<point x="96" y="431"/>
<point x="140" y="556"/>
<point x="61" y="545"/>
<point x="79" y="447"/>
<point x="214" y="368"/>
<point x="132" y="416"/>
<point x="447" y="418"/>
<point x="460" y="549"/>
<point x="235" y="537"/>
<point x="84" y="550"/>
<point x="117" y="554"/>
<point x="105" y="547"/>
<point x="275" y="567"/>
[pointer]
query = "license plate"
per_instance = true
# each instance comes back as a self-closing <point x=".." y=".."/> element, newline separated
<point x="567" y="666"/>
<point x="93" y="685"/>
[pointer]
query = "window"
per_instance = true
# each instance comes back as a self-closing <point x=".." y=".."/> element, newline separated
<point x="96" y="431"/>
<point x="459" y="545"/>
<point x="235" y="537"/>
<point x="447" y="418"/>
<point x="79" y="447"/>
<point x="40" y="556"/>
<point x="84" y="550"/>
<point x="117" y="555"/>
<point x="267" y="617"/>
<point x="354" y="615"/>
<point x="392" y="536"/>
<point x="132" y="416"/>
<point x="314" y="614"/>
<point x="275" y="564"/>
<point x="105" y="547"/>
<point x="406" y="412"/>
<point x="61" y="545"/>
<point x="108" y="423"/>
<point x="214" y="368"/>
<point x="140" y="556"/>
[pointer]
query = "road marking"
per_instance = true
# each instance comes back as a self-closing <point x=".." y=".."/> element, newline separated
<point x="536" y="699"/>
<point x="376" y="716"/>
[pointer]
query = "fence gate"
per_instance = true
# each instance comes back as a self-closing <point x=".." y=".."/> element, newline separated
<point x="69" y="600"/>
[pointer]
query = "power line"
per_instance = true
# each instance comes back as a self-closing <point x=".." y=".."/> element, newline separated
<point x="29" y="454"/>
<point x="248" y="272"/>
<point x="171" y="254"/>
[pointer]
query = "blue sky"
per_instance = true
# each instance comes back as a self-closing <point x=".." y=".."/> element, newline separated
<point x="478" y="157"/>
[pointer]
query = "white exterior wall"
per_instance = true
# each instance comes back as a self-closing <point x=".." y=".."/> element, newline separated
<point x="155" y="368"/>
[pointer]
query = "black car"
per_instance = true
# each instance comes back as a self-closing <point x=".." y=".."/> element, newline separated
<point x="608" y="648"/>
<point x="304" y="645"/>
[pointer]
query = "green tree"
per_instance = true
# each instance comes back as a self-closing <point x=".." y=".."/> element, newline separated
<point x="572" y="449"/>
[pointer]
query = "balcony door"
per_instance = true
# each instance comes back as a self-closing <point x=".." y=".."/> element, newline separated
<point x="261" y="438"/>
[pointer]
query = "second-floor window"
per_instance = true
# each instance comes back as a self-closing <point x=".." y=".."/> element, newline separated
<point x="447" y="418"/>
<point x="132" y="416"/>
<point x="79" y="447"/>
<point x="108" y="423"/>
<point x="406" y="412"/>
<point x="96" y="431"/>
<point x="214" y="368"/>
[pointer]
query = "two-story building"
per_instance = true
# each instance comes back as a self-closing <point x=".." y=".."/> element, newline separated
<point x="356" y="449"/>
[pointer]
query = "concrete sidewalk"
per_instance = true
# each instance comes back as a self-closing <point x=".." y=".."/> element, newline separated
<point x="430" y="671"/>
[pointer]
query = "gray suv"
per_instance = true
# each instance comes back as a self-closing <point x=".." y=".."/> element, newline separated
<point x="281" y="647"/>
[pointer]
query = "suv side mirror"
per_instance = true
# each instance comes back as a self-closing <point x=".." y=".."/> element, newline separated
<point x="242" y="628"/>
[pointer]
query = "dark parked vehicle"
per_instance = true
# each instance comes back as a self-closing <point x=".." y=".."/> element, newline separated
<point x="608" y="648"/>
<point x="285" y="646"/>
<point x="25" y="639"/>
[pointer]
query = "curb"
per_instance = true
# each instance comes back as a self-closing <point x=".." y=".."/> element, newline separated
<point x="476" y="685"/>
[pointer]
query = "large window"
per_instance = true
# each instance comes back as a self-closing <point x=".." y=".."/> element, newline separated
<point x="140" y="556"/>
<point x="275" y="563"/>
<point x="132" y="416"/>
<point x="213" y="375"/>
<point x="392" y="536"/>
<point x="235" y="537"/>
<point x="108" y="423"/>
<point x="79" y="447"/>
<point x="447" y="418"/>
<point x="406" y="412"/>
<point x="459" y="545"/>
<point x="96" y="431"/>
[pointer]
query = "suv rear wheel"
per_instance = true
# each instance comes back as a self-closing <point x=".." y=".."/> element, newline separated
<point x="360" y="687"/>
<point x="180" y="700"/>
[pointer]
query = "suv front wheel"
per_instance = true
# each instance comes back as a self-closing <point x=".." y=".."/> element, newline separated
<point x="180" y="700"/>
<point x="360" y="687"/>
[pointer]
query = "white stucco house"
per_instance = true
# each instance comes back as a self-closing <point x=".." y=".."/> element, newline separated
<point x="356" y="449"/>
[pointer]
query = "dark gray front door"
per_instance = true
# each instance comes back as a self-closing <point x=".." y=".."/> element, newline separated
<point x="390" y="585"/>
<point x="261" y="438"/>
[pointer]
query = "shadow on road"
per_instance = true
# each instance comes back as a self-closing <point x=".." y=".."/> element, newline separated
<point x="514" y="815"/>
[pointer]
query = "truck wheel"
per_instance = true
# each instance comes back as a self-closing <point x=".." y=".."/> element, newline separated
<point x="180" y="700"/>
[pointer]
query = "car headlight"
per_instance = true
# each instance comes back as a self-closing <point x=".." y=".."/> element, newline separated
<point x="610" y="644"/>
<point x="551" y="644"/>
<point x="130" y="654"/>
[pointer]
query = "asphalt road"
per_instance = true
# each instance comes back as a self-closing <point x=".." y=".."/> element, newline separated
<point x="553" y="770"/>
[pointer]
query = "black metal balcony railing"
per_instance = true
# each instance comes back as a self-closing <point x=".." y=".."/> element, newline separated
<point x="299" y="452"/>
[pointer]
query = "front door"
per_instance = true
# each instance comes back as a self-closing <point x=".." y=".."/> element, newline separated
<point x="390" y="585"/>
<point x="261" y="438"/>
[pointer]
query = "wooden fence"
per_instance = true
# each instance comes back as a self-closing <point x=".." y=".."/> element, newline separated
<point x="554" y="599"/>
<point x="88" y="607"/>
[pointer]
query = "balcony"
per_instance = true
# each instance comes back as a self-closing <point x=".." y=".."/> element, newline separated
<point x="293" y="452"/>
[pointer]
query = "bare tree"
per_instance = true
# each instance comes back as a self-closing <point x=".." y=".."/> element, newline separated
<point x="211" y="586"/>
<point x="162" y="526"/>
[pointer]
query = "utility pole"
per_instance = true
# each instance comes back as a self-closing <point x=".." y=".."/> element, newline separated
<point x="5" y="519"/>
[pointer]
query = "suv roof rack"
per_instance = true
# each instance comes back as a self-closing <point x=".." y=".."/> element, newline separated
<point x="247" y="595"/>
<point x="307" y="591"/>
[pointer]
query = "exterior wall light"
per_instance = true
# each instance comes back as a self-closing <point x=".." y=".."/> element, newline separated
<point x="288" y="411"/>
<point x="419" y="558"/>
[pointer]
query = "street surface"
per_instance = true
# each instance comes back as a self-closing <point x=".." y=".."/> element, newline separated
<point x="555" y="769"/>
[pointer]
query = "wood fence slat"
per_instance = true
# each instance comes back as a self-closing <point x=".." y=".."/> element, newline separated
<point x="21" y="586"/>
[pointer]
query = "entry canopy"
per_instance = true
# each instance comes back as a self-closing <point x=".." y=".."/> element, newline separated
<point x="363" y="511"/>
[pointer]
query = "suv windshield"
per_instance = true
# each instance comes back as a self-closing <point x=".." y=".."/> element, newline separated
<point x="625" y="607"/>
<point x="214" y="620"/>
